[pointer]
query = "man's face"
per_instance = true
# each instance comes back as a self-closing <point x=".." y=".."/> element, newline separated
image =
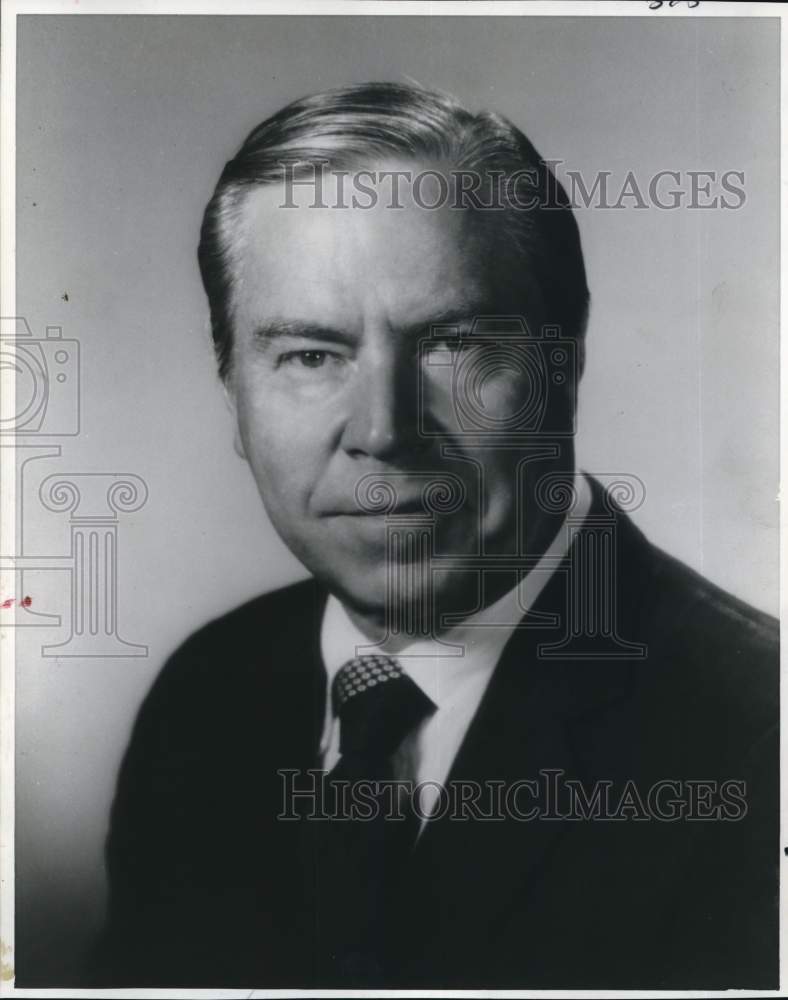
<point x="330" y="305"/>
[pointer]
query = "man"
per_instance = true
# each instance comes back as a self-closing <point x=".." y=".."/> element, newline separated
<point x="498" y="739"/>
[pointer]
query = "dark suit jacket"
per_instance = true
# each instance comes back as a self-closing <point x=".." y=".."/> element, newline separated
<point x="208" y="888"/>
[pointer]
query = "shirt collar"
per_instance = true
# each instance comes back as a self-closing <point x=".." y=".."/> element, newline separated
<point x="466" y="653"/>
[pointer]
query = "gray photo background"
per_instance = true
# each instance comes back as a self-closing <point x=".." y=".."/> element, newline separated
<point x="123" y="126"/>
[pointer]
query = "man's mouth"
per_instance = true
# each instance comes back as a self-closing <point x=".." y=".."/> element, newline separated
<point x="401" y="507"/>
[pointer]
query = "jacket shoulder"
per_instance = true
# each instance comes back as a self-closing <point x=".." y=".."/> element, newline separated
<point x="245" y="624"/>
<point x="222" y="659"/>
<point x="689" y="604"/>
<point x="715" y="654"/>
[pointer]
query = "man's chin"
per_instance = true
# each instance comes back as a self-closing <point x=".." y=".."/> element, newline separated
<point x="385" y="594"/>
<point x="363" y="598"/>
<point x="378" y="606"/>
<point x="402" y="607"/>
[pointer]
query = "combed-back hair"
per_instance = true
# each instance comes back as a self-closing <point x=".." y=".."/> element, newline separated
<point x="357" y="126"/>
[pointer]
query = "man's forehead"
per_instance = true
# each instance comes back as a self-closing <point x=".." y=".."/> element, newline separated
<point x="409" y="260"/>
<point x="333" y="209"/>
<point x="304" y="254"/>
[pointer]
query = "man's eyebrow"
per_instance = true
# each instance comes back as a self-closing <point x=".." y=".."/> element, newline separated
<point x="277" y="328"/>
<point x="462" y="316"/>
<point x="274" y="329"/>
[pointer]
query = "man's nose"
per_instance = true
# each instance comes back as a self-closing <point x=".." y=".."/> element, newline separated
<point x="383" y="419"/>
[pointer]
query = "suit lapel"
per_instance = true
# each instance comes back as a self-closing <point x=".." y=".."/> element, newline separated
<point x="294" y="686"/>
<point x="291" y="692"/>
<point x="465" y="873"/>
<point x="471" y="867"/>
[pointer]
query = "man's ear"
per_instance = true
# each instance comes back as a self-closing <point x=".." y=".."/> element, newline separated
<point x="238" y="444"/>
<point x="229" y="398"/>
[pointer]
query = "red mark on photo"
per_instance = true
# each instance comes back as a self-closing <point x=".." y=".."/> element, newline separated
<point x="10" y="601"/>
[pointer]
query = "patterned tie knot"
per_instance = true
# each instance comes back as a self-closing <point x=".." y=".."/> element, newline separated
<point x="361" y="673"/>
<point x="377" y="704"/>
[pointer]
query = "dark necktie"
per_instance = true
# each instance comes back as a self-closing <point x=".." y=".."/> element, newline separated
<point x="378" y="705"/>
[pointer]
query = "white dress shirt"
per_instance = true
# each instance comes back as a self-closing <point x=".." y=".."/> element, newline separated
<point x="455" y="681"/>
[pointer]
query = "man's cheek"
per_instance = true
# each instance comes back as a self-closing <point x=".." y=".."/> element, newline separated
<point x="287" y="478"/>
<point x="439" y="400"/>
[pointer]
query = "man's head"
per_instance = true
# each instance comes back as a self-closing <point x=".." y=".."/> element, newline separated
<point x="349" y="229"/>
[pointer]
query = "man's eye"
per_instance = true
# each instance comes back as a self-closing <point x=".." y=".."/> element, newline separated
<point x="305" y="359"/>
<point x="448" y="346"/>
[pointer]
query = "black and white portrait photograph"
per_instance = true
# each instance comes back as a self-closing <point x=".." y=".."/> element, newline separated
<point x="390" y="550"/>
